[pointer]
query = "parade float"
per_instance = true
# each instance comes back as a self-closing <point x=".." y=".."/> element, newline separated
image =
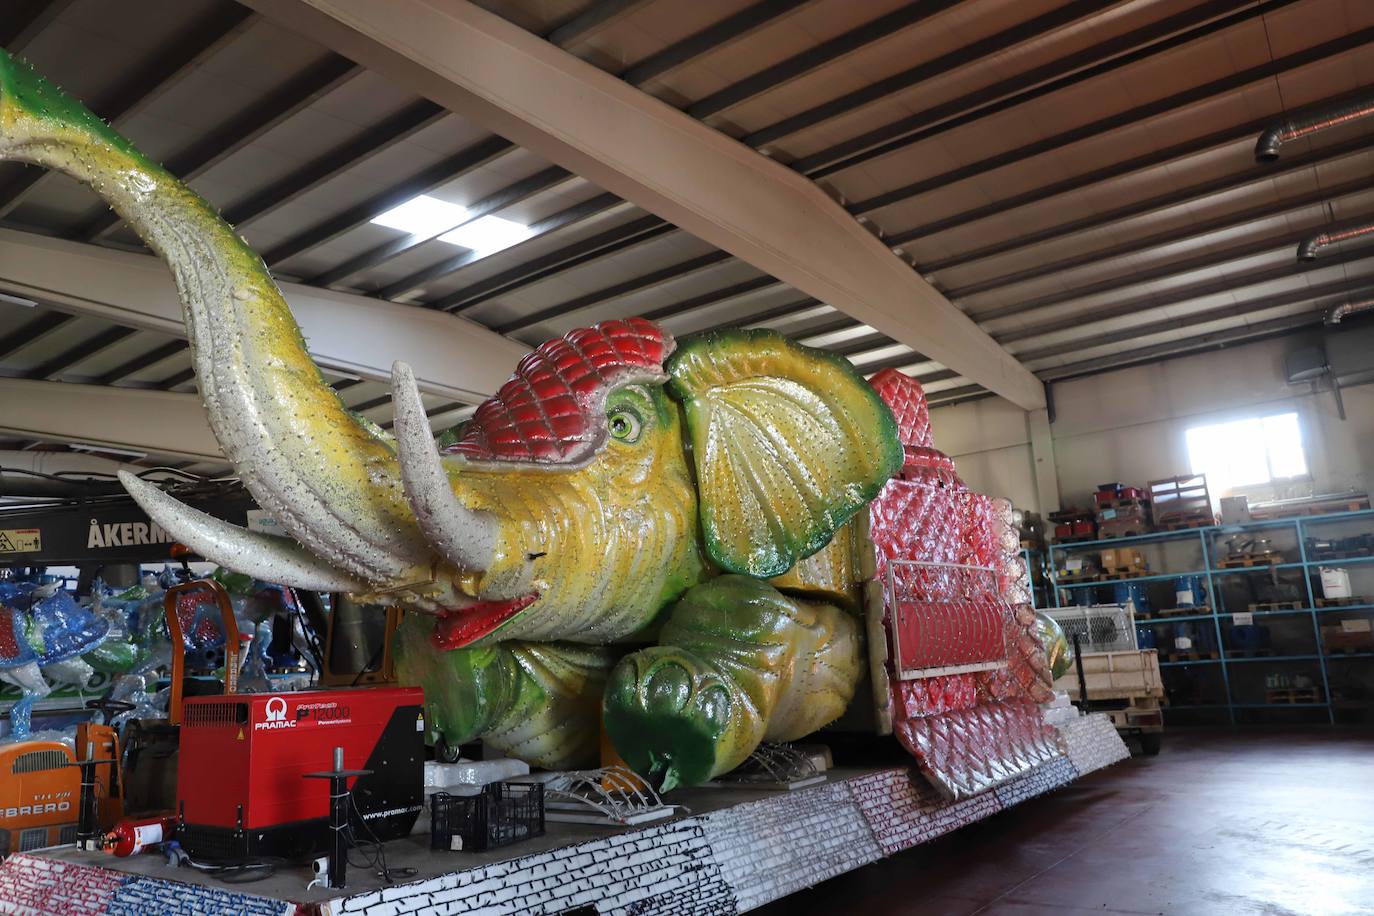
<point x="671" y="555"/>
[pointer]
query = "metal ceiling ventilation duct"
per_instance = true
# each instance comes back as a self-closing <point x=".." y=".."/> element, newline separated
<point x="1272" y="140"/>
<point x="1346" y="309"/>
<point x="1313" y="245"/>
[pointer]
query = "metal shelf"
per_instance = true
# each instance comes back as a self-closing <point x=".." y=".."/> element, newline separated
<point x="1247" y="706"/>
<point x="1097" y="582"/>
<point x="1205" y="538"/>
<point x="1237" y="661"/>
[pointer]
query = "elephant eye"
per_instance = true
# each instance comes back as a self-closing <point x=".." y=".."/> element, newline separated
<point x="624" y="425"/>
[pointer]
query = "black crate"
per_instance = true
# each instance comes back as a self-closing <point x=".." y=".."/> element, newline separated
<point x="501" y="814"/>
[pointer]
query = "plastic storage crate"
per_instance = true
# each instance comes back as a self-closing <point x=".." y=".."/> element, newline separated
<point x="501" y="814"/>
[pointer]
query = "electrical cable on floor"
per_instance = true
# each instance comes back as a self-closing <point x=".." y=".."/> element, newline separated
<point x="233" y="871"/>
<point x="378" y="859"/>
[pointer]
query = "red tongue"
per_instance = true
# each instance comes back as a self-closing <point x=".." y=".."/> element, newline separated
<point x="457" y="629"/>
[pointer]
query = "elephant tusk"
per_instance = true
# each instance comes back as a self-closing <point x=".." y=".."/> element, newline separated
<point x="465" y="538"/>
<point x="261" y="556"/>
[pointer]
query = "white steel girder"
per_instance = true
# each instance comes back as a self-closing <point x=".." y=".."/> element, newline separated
<point x="345" y="333"/>
<point x="588" y="121"/>
<point x="155" y="422"/>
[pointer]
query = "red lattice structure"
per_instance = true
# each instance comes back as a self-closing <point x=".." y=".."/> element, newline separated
<point x="966" y="667"/>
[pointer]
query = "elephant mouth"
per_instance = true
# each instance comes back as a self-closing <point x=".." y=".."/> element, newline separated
<point x="464" y="626"/>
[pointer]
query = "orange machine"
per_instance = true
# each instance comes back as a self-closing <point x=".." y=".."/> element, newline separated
<point x="40" y="793"/>
<point x="180" y="605"/>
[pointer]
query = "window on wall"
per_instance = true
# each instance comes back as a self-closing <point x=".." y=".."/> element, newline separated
<point x="1245" y="453"/>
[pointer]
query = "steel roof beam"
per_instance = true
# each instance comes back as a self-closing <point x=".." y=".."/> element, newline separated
<point x="175" y="379"/>
<point x="601" y="203"/>
<point x="951" y="395"/>
<point x="723" y="32"/>
<point x="821" y="165"/>
<point x="69" y="357"/>
<point x="1192" y="232"/>
<point x="1277" y="327"/>
<point x="510" y="195"/>
<point x="712" y="38"/>
<point x="1201" y="191"/>
<point x="1142" y="44"/>
<point x="1126" y="309"/>
<point x="32" y="331"/>
<point x="616" y="291"/>
<point x="157" y="422"/>
<point x="1233" y="310"/>
<point x="163" y="68"/>
<point x="812" y="58"/>
<point x="145" y="361"/>
<point x="767" y="79"/>
<point x="427" y="179"/>
<point x="1152" y="159"/>
<point x="1072" y="69"/>
<point x="380" y="137"/>
<point x="581" y="252"/>
<point x="715" y="297"/>
<point x="771" y="78"/>
<point x="577" y="116"/>
<point x="591" y="20"/>
<point x="982" y="49"/>
<point x="238" y="132"/>
<point x="349" y="334"/>
<point x="25" y="19"/>
<point x="1160" y="272"/>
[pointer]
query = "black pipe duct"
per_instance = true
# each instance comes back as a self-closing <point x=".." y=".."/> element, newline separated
<point x="1346" y="309"/>
<point x="1313" y="245"/>
<point x="1269" y="144"/>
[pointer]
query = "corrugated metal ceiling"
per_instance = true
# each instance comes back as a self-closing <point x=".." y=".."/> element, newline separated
<point x="1077" y="176"/>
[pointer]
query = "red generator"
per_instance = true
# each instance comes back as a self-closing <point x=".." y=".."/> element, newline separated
<point x="241" y="787"/>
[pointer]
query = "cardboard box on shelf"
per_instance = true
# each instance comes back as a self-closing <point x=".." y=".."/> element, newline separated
<point x="1356" y="635"/>
<point x="1123" y="558"/>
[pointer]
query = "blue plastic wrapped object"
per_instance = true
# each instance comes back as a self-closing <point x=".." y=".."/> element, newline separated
<point x="1250" y="637"/>
<point x="1145" y="638"/>
<point x="52" y="629"/>
<point x="1132" y="595"/>
<point x="43" y="634"/>
<point x="1189" y="592"/>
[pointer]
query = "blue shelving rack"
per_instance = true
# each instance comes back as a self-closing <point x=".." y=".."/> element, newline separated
<point x="1211" y="572"/>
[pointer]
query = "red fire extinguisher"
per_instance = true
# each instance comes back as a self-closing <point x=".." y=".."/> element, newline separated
<point x="135" y="834"/>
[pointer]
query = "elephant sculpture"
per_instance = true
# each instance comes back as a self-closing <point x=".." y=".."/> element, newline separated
<point x="634" y="530"/>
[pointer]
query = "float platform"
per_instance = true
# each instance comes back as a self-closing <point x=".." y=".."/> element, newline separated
<point x="735" y="850"/>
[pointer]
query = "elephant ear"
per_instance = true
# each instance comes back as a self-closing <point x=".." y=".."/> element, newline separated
<point x="788" y="443"/>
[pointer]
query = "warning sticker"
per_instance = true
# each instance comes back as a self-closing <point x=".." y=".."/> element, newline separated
<point x="20" y="540"/>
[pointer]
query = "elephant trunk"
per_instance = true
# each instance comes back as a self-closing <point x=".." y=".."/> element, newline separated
<point x="330" y="481"/>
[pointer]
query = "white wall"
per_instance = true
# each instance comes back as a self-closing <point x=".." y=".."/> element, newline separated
<point x="1130" y="425"/>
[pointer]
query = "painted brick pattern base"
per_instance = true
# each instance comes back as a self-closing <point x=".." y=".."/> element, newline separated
<point x="826" y="835"/>
<point x="1093" y="743"/>
<point x="31" y="884"/>
<point x="903" y="810"/>
<point x="720" y="863"/>
<point x="659" y="871"/>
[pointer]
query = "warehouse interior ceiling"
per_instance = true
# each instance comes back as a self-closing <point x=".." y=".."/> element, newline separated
<point x="1077" y="177"/>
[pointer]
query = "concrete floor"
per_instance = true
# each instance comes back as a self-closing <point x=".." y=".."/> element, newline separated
<point x="1278" y="823"/>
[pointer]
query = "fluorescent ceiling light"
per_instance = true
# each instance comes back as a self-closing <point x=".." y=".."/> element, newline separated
<point x="488" y="234"/>
<point x="423" y="215"/>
